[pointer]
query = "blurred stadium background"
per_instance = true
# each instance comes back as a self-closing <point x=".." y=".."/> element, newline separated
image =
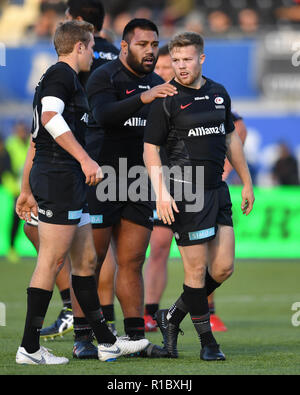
<point x="252" y="47"/>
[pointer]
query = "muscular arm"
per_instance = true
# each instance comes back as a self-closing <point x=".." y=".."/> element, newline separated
<point x="241" y="129"/>
<point x="236" y="157"/>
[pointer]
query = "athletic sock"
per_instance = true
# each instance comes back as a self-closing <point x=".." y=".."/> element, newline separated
<point x="151" y="309"/>
<point x="108" y="312"/>
<point x="196" y="300"/>
<point x="66" y="298"/>
<point x="81" y="327"/>
<point x="177" y="311"/>
<point x="134" y="327"/>
<point x="85" y="290"/>
<point x="210" y="283"/>
<point x="37" y="304"/>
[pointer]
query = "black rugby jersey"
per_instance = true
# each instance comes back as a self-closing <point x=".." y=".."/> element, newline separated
<point x="114" y="96"/>
<point x="192" y="127"/>
<point x="61" y="81"/>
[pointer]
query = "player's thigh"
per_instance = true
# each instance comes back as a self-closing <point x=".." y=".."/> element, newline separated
<point x="160" y="241"/>
<point x="55" y="241"/>
<point x="221" y="252"/>
<point x="82" y="251"/>
<point x="131" y="242"/>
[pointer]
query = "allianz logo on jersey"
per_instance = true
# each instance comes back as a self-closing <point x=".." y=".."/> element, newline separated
<point x="135" y="121"/>
<point x="201" y="131"/>
<point x="85" y="118"/>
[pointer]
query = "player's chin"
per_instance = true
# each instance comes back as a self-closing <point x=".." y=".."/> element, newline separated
<point x="148" y="67"/>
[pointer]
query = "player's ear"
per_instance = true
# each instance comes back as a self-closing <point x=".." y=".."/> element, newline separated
<point x="124" y="47"/>
<point x="202" y="58"/>
<point x="78" y="47"/>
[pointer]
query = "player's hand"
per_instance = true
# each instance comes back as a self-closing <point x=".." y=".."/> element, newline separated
<point x="247" y="199"/>
<point x="165" y="209"/>
<point x="92" y="171"/>
<point x="26" y="204"/>
<point x="162" y="90"/>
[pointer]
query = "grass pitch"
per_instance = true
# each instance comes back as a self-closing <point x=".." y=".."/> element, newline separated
<point x="256" y="305"/>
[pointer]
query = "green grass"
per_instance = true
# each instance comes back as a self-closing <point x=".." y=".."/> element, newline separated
<point x="255" y="305"/>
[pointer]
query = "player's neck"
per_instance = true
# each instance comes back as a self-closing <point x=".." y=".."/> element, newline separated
<point x="196" y="84"/>
<point x="70" y="61"/>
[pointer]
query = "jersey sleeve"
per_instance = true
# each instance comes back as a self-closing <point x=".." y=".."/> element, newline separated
<point x="158" y="121"/>
<point x="229" y="125"/>
<point x="107" y="108"/>
<point x="58" y="83"/>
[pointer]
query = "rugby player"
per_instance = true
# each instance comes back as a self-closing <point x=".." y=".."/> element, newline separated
<point x="119" y="95"/>
<point x="56" y="183"/>
<point x="155" y="273"/>
<point x="91" y="11"/>
<point x="197" y="131"/>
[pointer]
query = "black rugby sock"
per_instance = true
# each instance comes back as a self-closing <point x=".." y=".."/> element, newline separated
<point x="177" y="311"/>
<point x="210" y="283"/>
<point x="134" y="327"/>
<point x="151" y="308"/>
<point x="86" y="293"/>
<point x="108" y="312"/>
<point x="66" y="298"/>
<point x="81" y="327"/>
<point x="37" y="304"/>
<point x="196" y="300"/>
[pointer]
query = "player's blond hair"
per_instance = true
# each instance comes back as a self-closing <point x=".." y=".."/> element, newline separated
<point x="69" y="33"/>
<point x="185" y="39"/>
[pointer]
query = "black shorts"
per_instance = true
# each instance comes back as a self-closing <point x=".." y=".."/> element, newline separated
<point x="60" y="192"/>
<point x="104" y="214"/>
<point x="192" y="228"/>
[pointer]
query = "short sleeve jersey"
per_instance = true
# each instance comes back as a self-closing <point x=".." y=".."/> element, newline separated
<point x="192" y="127"/>
<point x="60" y="81"/>
<point x="114" y="96"/>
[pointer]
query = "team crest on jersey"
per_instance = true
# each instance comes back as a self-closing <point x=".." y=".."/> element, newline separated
<point x="219" y="100"/>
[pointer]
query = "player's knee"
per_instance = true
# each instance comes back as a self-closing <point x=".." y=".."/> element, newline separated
<point x="223" y="273"/>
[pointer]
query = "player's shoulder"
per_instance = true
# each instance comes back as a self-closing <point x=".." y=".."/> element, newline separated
<point x="216" y="87"/>
<point x="60" y="72"/>
<point x="156" y="79"/>
<point x="103" y="45"/>
<point x="106" y="70"/>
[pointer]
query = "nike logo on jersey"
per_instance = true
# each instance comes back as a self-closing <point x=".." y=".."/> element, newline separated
<point x="187" y="105"/>
<point x="128" y="92"/>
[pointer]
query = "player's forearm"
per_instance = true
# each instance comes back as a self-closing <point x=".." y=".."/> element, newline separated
<point x="154" y="168"/>
<point x="25" y="186"/>
<point x="69" y="143"/>
<point x="107" y="111"/>
<point x="236" y="157"/>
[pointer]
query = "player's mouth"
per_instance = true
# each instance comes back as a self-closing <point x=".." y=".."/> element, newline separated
<point x="149" y="60"/>
<point x="184" y="74"/>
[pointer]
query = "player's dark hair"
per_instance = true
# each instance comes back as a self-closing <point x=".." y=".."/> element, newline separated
<point x="144" y="24"/>
<point x="164" y="50"/>
<point x="185" y="39"/>
<point x="91" y="11"/>
<point x="69" y="33"/>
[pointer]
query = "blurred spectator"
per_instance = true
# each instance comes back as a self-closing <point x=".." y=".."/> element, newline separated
<point x="120" y="21"/>
<point x="163" y="65"/>
<point x="194" y="22"/>
<point x="16" y="146"/>
<point x="285" y="170"/>
<point x="5" y="164"/>
<point x="218" y="22"/>
<point x="51" y="13"/>
<point x="248" y="20"/>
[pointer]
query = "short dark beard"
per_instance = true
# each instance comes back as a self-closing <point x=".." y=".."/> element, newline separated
<point x="139" y="68"/>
